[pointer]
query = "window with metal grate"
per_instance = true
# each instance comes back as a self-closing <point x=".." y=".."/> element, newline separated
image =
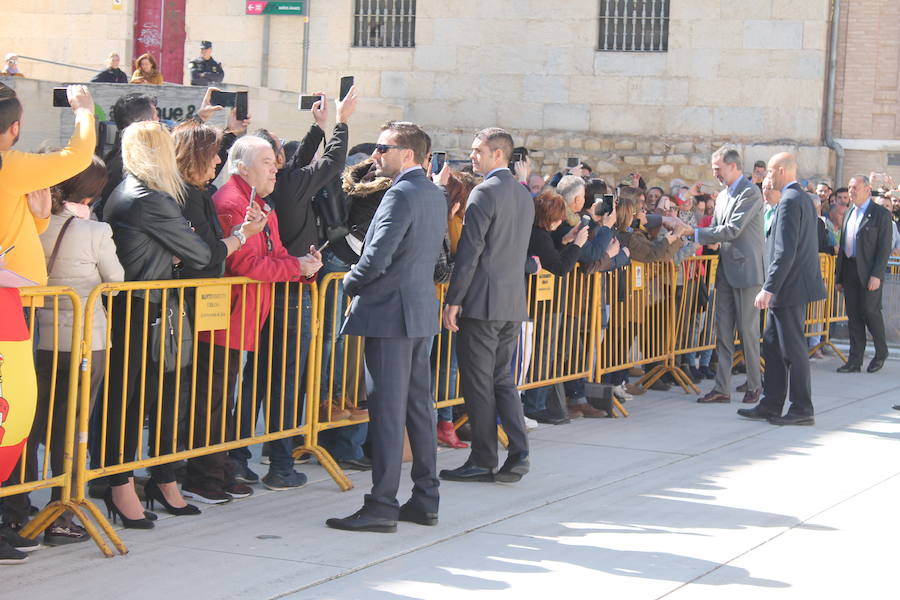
<point x="634" y="26"/>
<point x="384" y="23"/>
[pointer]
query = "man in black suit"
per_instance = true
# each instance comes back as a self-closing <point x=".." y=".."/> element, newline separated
<point x="486" y="304"/>
<point x="395" y="307"/>
<point x="793" y="280"/>
<point x="865" y="246"/>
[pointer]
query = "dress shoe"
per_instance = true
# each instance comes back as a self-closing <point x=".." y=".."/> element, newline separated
<point x="362" y="521"/>
<point x="751" y="397"/>
<point x="545" y="416"/>
<point x="467" y="472"/>
<point x="757" y="413"/>
<point x="793" y="419"/>
<point x="875" y="365"/>
<point x="848" y="368"/>
<point x="414" y="515"/>
<point x="714" y="397"/>
<point x="356" y="464"/>
<point x="513" y="469"/>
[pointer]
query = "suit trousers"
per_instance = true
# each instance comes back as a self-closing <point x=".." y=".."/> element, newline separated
<point x="734" y="309"/>
<point x="398" y="380"/>
<point x="863" y="310"/>
<point x="485" y="354"/>
<point x="787" y="361"/>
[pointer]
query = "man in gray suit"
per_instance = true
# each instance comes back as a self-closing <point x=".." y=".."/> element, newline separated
<point x="737" y="226"/>
<point x="395" y="307"/>
<point x="486" y="304"/>
<point x="793" y="280"/>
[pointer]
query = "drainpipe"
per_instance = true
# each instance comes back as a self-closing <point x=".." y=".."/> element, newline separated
<point x="305" y="70"/>
<point x="829" y="100"/>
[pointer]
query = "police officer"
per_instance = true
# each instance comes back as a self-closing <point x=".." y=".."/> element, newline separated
<point x="204" y="70"/>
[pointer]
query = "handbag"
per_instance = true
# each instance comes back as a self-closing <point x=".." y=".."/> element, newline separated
<point x="164" y="332"/>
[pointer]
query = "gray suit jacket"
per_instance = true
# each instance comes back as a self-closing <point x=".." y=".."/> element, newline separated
<point x="794" y="276"/>
<point x="488" y="276"/>
<point x="738" y="225"/>
<point x="874" y="239"/>
<point x="393" y="282"/>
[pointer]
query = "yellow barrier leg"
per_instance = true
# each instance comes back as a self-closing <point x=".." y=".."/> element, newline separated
<point x="651" y="376"/>
<point x="325" y="459"/>
<point x="460" y="421"/>
<point x="684" y="381"/>
<point x="88" y="513"/>
<point x="617" y="406"/>
<point x="43" y="519"/>
<point x="501" y="435"/>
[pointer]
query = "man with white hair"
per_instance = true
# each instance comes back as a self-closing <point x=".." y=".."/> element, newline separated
<point x="251" y="164"/>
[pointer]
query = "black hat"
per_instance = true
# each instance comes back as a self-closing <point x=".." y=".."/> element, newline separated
<point x="205" y="45"/>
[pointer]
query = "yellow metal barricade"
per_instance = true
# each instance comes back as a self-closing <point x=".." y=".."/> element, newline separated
<point x="695" y="309"/>
<point x="56" y="407"/>
<point x="168" y="360"/>
<point x="641" y="299"/>
<point x="816" y="324"/>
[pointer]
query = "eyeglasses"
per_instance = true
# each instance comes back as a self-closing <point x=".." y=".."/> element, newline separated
<point x="383" y="148"/>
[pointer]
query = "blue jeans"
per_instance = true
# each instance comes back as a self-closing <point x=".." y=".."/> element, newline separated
<point x="445" y="377"/>
<point x="285" y="370"/>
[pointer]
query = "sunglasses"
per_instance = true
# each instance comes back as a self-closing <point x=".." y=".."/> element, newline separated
<point x="383" y="148"/>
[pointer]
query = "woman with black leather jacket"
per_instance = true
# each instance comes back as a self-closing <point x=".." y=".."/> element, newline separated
<point x="151" y="235"/>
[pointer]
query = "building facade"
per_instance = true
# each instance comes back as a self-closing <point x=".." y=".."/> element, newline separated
<point x="651" y="86"/>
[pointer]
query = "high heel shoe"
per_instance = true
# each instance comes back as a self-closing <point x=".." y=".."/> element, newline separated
<point x="112" y="511"/>
<point x="154" y="494"/>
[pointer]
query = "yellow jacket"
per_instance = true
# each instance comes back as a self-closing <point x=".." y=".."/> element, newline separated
<point x="23" y="172"/>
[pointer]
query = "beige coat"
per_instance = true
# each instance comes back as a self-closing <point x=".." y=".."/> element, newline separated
<point x="86" y="258"/>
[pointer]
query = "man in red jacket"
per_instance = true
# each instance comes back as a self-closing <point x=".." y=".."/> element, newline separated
<point x="251" y="163"/>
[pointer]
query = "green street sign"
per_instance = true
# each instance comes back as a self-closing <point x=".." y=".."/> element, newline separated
<point x="275" y="7"/>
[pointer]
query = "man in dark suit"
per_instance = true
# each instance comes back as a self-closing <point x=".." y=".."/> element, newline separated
<point x="396" y="309"/>
<point x="865" y="246"/>
<point x="486" y="304"/>
<point x="793" y="280"/>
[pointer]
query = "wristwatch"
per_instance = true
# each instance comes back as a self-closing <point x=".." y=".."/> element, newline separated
<point x="236" y="232"/>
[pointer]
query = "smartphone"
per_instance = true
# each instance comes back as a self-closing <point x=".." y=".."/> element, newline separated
<point x="586" y="220"/>
<point x="516" y="157"/>
<point x="241" y="105"/>
<point x="220" y="98"/>
<point x="306" y="102"/>
<point x="607" y="202"/>
<point x="572" y="162"/>
<point x="346" y="84"/>
<point x="438" y="160"/>
<point x="60" y="97"/>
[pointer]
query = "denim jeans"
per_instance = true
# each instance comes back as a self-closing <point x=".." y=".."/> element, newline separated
<point x="285" y="371"/>
<point x="445" y="377"/>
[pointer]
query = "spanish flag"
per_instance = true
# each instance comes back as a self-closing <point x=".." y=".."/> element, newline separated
<point x="18" y="384"/>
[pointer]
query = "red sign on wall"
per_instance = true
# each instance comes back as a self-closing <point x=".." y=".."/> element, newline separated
<point x="159" y="30"/>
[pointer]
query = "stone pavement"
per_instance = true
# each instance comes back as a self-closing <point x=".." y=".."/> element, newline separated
<point x="678" y="501"/>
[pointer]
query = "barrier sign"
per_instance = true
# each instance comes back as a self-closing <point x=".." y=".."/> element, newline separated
<point x="213" y="307"/>
<point x="274" y="7"/>
<point x="543" y="287"/>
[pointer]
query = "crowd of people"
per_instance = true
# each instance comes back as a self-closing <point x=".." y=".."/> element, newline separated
<point x="147" y="211"/>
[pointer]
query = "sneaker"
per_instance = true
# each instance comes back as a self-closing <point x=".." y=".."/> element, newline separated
<point x="529" y="424"/>
<point x="243" y="473"/>
<point x="621" y="394"/>
<point x="237" y="490"/>
<point x="211" y="495"/>
<point x="290" y="481"/>
<point x="11" y="556"/>
<point x="58" y="535"/>
<point x="10" y="535"/>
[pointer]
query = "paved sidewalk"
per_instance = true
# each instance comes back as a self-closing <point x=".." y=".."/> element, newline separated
<point x="678" y="501"/>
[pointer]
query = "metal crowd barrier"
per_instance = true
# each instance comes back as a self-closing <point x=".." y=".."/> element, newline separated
<point x="695" y="307"/>
<point x="56" y="407"/>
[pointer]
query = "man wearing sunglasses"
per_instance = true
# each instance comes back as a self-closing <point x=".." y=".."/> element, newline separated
<point x="395" y="307"/>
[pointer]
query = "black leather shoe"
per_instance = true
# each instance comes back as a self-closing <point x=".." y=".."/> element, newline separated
<point x="467" y="472"/>
<point x="362" y="521"/>
<point x="757" y="413"/>
<point x="848" y="368"/>
<point x="875" y="365"/>
<point x="793" y="419"/>
<point x="356" y="464"/>
<point x="545" y="416"/>
<point x="896" y="407"/>
<point x="513" y="469"/>
<point x="414" y="515"/>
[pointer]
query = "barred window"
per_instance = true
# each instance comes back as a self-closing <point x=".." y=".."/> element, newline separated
<point x="634" y="25"/>
<point x="384" y="24"/>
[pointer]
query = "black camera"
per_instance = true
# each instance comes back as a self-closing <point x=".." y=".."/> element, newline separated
<point x="605" y="204"/>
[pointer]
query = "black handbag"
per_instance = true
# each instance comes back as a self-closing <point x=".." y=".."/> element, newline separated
<point x="164" y="331"/>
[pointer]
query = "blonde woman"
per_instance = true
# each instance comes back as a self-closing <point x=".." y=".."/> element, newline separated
<point x="151" y="235"/>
